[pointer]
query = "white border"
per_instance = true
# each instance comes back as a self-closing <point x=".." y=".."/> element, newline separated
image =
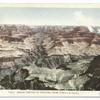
<point x="48" y="93"/>
<point x="52" y="5"/>
<point x="50" y="1"/>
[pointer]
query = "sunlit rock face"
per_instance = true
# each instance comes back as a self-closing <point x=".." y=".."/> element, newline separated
<point x="49" y="57"/>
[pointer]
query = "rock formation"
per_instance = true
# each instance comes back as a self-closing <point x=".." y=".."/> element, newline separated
<point x="49" y="57"/>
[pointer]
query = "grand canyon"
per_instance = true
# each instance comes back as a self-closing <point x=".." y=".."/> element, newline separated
<point x="49" y="57"/>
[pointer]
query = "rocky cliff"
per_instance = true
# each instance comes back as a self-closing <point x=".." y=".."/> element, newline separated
<point x="49" y="57"/>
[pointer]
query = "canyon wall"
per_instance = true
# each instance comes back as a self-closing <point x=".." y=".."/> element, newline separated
<point x="49" y="57"/>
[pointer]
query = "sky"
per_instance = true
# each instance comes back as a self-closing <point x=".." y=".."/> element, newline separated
<point x="50" y="16"/>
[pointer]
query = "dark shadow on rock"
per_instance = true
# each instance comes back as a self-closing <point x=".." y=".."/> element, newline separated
<point x="94" y="73"/>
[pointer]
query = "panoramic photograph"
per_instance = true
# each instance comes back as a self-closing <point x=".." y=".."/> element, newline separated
<point x="49" y="48"/>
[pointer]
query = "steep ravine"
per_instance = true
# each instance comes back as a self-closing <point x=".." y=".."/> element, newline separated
<point x="54" y="72"/>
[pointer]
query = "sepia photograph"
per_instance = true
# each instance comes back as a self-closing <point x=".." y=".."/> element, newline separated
<point x="45" y="47"/>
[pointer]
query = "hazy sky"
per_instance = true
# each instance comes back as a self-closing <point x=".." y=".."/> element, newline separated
<point x="50" y="16"/>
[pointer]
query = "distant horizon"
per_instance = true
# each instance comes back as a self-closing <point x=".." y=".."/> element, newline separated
<point x="51" y="25"/>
